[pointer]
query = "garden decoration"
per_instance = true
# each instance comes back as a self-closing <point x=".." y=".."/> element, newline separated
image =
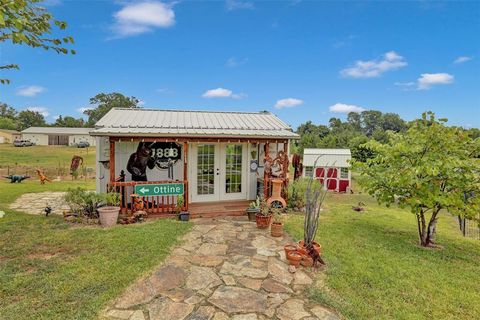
<point x="359" y="207"/>
<point x="17" y="178"/>
<point x="108" y="215"/>
<point x="182" y="215"/>
<point x="139" y="161"/>
<point x="138" y="203"/>
<point x="47" y="210"/>
<point x="276" y="229"/>
<point x="276" y="200"/>
<point x="297" y="166"/>
<point x="76" y="162"/>
<point x="42" y="177"/>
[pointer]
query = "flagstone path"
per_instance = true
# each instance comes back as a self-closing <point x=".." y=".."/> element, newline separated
<point x="35" y="203"/>
<point x="225" y="269"/>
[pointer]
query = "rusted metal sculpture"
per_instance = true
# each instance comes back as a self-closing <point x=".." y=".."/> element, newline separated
<point x="42" y="177"/>
<point x="77" y="161"/>
<point x="297" y="166"/>
<point x="139" y="161"/>
<point x="17" y="178"/>
<point x="277" y="169"/>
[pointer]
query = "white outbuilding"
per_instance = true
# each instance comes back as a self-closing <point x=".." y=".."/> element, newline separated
<point x="45" y="136"/>
<point x="330" y="166"/>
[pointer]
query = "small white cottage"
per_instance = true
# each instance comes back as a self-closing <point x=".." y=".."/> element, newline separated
<point x="330" y="166"/>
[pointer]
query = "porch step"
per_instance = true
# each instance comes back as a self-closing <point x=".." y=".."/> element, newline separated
<point x="215" y="214"/>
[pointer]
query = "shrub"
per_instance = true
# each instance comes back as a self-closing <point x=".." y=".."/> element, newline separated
<point x="84" y="203"/>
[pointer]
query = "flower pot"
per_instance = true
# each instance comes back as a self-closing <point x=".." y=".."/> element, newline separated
<point x="251" y="213"/>
<point x="184" y="216"/>
<point x="289" y="248"/>
<point x="316" y="246"/>
<point x="307" y="261"/>
<point x="108" y="216"/>
<point x="294" y="258"/>
<point x="263" y="222"/>
<point x="276" y="229"/>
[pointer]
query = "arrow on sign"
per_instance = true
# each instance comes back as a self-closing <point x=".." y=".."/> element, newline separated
<point x="143" y="190"/>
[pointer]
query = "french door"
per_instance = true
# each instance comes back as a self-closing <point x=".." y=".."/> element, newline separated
<point x="218" y="171"/>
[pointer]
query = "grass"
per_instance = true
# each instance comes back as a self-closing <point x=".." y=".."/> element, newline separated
<point x="376" y="270"/>
<point x="52" y="158"/>
<point x="50" y="269"/>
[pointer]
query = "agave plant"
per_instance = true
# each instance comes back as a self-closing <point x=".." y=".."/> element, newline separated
<point x="314" y="197"/>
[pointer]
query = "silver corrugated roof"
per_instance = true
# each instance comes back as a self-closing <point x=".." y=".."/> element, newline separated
<point x="58" y="130"/>
<point x="326" y="157"/>
<point x="151" y="122"/>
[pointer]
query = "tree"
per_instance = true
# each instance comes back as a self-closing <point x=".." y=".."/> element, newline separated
<point x="104" y="102"/>
<point x="429" y="168"/>
<point x="7" y="112"/>
<point x="25" y="22"/>
<point x="8" y="123"/>
<point x="29" y="118"/>
<point x="371" y="120"/>
<point x="393" y="122"/>
<point x="69" y="121"/>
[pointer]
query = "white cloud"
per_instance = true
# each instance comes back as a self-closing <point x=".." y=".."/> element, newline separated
<point x="427" y="80"/>
<point x="43" y="111"/>
<point x="462" y="59"/>
<point x="238" y="4"/>
<point x="140" y="17"/>
<point x="141" y="103"/>
<point x="345" y="108"/>
<point x="222" y="93"/>
<point x="233" y="62"/>
<point x="82" y="110"/>
<point x="375" y="68"/>
<point x="55" y="117"/>
<point x="288" y="103"/>
<point x="29" y="91"/>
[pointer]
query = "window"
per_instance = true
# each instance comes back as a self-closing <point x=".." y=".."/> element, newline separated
<point x="343" y="173"/>
<point x="233" y="168"/>
<point x="308" y="171"/>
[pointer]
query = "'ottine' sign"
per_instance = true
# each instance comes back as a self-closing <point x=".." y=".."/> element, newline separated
<point x="164" y="189"/>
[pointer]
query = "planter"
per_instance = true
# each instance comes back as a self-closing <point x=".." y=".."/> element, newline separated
<point x="289" y="248"/>
<point x="251" y="213"/>
<point x="263" y="222"/>
<point x="316" y="246"/>
<point x="294" y="258"/>
<point x="184" y="216"/>
<point x="276" y="229"/>
<point x="108" y="216"/>
<point x="307" y="261"/>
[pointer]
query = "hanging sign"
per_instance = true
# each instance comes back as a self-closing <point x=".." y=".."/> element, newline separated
<point x="166" y="154"/>
<point x="161" y="189"/>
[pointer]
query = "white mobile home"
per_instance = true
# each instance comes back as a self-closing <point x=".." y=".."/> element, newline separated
<point x="45" y="136"/>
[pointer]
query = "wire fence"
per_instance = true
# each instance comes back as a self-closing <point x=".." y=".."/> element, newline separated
<point x="59" y="172"/>
<point x="472" y="229"/>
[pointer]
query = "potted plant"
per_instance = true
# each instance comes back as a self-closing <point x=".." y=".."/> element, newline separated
<point x="253" y="209"/>
<point x="109" y="214"/>
<point x="277" y="225"/>
<point x="264" y="216"/>
<point x="182" y="215"/>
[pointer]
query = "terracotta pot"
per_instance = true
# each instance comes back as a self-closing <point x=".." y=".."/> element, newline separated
<point x="316" y="246"/>
<point x="251" y="213"/>
<point x="276" y="229"/>
<point x="294" y="258"/>
<point x="108" y="216"/>
<point x="307" y="261"/>
<point x="289" y="248"/>
<point x="263" y="222"/>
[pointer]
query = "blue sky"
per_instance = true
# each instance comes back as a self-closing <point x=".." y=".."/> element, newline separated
<point x="302" y="60"/>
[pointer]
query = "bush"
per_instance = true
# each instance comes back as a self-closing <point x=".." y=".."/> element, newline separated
<point x="84" y="203"/>
<point x="296" y="193"/>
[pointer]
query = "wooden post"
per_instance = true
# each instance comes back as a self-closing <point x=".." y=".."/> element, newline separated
<point x="112" y="160"/>
<point x="185" y="173"/>
<point x="265" y="175"/>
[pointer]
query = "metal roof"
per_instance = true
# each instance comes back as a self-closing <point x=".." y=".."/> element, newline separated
<point x="326" y="157"/>
<point x="58" y="130"/>
<point x="153" y="122"/>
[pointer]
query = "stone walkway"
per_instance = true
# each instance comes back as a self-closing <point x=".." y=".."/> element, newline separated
<point x="225" y="269"/>
<point x="35" y="203"/>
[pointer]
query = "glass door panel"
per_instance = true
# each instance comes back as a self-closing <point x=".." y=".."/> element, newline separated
<point x="206" y="169"/>
<point x="233" y="168"/>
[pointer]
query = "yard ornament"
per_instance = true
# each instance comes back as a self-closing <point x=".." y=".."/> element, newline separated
<point x="42" y="176"/>
<point x="77" y="161"/>
<point x="17" y="178"/>
<point x="139" y="161"/>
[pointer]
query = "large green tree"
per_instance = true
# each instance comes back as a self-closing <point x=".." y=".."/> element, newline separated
<point x="27" y="22"/>
<point x="28" y="118"/>
<point x="69" y="121"/>
<point x="104" y="102"/>
<point x="429" y="168"/>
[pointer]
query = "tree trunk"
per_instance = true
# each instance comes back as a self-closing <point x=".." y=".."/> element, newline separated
<point x="427" y="233"/>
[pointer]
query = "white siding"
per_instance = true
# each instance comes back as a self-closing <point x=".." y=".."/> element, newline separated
<point x="37" y="138"/>
<point x="74" y="139"/>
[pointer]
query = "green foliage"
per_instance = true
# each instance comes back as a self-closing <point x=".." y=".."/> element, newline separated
<point x="112" y="198"/>
<point x="25" y="22"/>
<point x="69" y="121"/>
<point x="104" y="102"/>
<point x="7" y="111"/>
<point x="83" y="202"/>
<point x="430" y="167"/>
<point x="28" y="118"/>
<point x="255" y="204"/>
<point x="7" y="123"/>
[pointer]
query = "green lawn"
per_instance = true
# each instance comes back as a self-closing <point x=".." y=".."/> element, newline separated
<point x="54" y="159"/>
<point x="376" y="270"/>
<point x="50" y="269"/>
